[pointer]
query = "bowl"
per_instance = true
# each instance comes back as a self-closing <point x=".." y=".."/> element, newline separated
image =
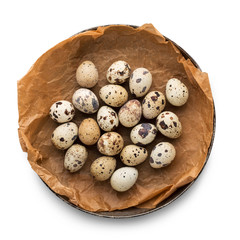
<point x="133" y="211"/>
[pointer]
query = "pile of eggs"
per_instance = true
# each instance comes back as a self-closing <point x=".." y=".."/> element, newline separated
<point x="111" y="143"/>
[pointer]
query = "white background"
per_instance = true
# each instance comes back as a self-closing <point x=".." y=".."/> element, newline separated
<point x="209" y="31"/>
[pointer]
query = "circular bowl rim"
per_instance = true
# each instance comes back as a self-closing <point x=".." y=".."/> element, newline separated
<point x="175" y="195"/>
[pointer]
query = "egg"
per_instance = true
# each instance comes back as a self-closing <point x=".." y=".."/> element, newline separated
<point x="107" y="119"/>
<point x="75" y="157"/>
<point x="143" y="134"/>
<point x="133" y="155"/>
<point x="140" y="82"/>
<point x="176" y="92"/>
<point x="113" y="95"/>
<point x="162" y="155"/>
<point x="118" y="72"/>
<point x="153" y="104"/>
<point x="85" y="101"/>
<point x="124" y="178"/>
<point x="62" y="111"/>
<point x="87" y="74"/>
<point x="130" y="113"/>
<point x="65" y="135"/>
<point x="103" y="167"/>
<point x="110" y="143"/>
<point x="169" y="125"/>
<point x="89" y="131"/>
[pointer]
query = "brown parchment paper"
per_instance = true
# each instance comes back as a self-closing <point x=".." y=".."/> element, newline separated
<point x="52" y="78"/>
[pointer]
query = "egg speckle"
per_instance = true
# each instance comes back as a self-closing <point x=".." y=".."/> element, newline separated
<point x="89" y="131"/>
<point x="133" y="155"/>
<point x="176" y="92"/>
<point x="85" y="101"/>
<point x="110" y="143"/>
<point x="75" y="157"/>
<point x="124" y="178"/>
<point x="103" y="167"/>
<point x="162" y="155"/>
<point x="143" y="134"/>
<point x="87" y="74"/>
<point x="140" y="82"/>
<point x="62" y="111"/>
<point x="107" y="119"/>
<point x="130" y="113"/>
<point x="169" y="125"/>
<point x="153" y="104"/>
<point x="64" y="135"/>
<point x="113" y="95"/>
<point x="118" y="72"/>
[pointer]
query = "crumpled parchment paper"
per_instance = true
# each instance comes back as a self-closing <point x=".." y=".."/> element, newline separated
<point x="52" y="78"/>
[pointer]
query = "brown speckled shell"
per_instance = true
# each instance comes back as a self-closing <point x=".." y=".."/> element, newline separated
<point x="169" y="124"/>
<point x="89" y="131"/>
<point x="103" y="167"/>
<point x="85" y="101"/>
<point x="118" y="72"/>
<point x="114" y="144"/>
<point x="113" y="95"/>
<point x="133" y="155"/>
<point x="130" y="113"/>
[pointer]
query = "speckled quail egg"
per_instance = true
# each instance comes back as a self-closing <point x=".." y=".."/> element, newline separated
<point x="110" y="143"/>
<point x="65" y="135"/>
<point x="124" y="178"/>
<point x="133" y="155"/>
<point x="130" y="113"/>
<point x="169" y="125"/>
<point x="75" y="157"/>
<point x="162" y="155"/>
<point x="113" y="95"/>
<point x="118" y="72"/>
<point x="107" y="119"/>
<point x="103" y="167"/>
<point x="85" y="101"/>
<point x="143" y="134"/>
<point x="89" y="131"/>
<point x="62" y="111"/>
<point x="140" y="82"/>
<point x="153" y="103"/>
<point x="176" y="92"/>
<point x="87" y="74"/>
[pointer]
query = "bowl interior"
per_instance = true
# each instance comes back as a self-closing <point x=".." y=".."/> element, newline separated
<point x="133" y="211"/>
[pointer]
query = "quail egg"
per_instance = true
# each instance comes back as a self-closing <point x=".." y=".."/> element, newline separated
<point x="89" y="131"/>
<point x="107" y="119"/>
<point x="153" y="103"/>
<point x="130" y="113"/>
<point x="118" y="72"/>
<point x="113" y="95"/>
<point x="75" y="157"/>
<point x="85" y="101"/>
<point x="140" y="82"/>
<point x="133" y="155"/>
<point x="103" y="167"/>
<point x="169" y="125"/>
<point x="143" y="134"/>
<point x="65" y="135"/>
<point x="62" y="111"/>
<point x="176" y="92"/>
<point x="110" y="143"/>
<point x="124" y="178"/>
<point x="87" y="74"/>
<point x="162" y="155"/>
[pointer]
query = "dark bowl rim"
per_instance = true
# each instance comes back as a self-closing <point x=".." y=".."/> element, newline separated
<point x="179" y="192"/>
